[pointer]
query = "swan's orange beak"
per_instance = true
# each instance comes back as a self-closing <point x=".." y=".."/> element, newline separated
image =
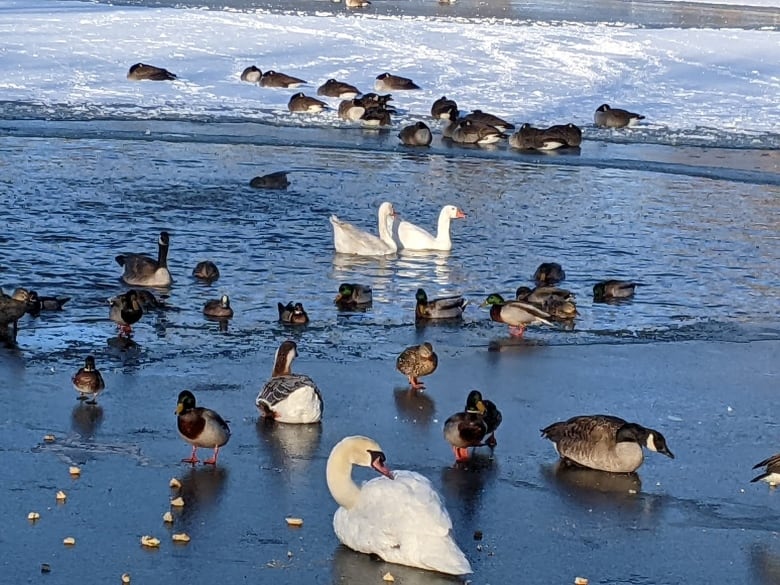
<point x="378" y="463"/>
<point x="460" y="215"/>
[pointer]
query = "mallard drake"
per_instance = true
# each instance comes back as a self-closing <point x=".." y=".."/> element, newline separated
<point x="612" y="290"/>
<point x="200" y="427"/>
<point x="470" y="427"/>
<point x="125" y="311"/>
<point x="142" y="71"/>
<point x="771" y="474"/>
<point x="12" y="309"/>
<point x="517" y="314"/>
<point x="88" y="381"/>
<point x="141" y="270"/>
<point x="251" y="74"/>
<point x="389" y="82"/>
<point x="292" y="314"/>
<point x="442" y="107"/>
<point x="549" y="273"/>
<point x="607" y="117"/>
<point x="288" y="397"/>
<point x="338" y="89"/>
<point x="300" y="103"/>
<point x="417" y="134"/>
<point x="489" y="119"/>
<point x="441" y="308"/>
<point x="604" y="442"/>
<point x="218" y="308"/>
<point x="37" y="303"/>
<point x="353" y="296"/>
<point x="206" y="271"/>
<point x="275" y="79"/>
<point x="417" y="361"/>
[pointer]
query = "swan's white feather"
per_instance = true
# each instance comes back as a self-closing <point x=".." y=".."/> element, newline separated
<point x="404" y="521"/>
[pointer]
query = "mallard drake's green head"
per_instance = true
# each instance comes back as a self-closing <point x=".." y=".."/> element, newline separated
<point x="474" y="402"/>
<point x="186" y="401"/>
<point x="421" y="297"/>
<point x="493" y="299"/>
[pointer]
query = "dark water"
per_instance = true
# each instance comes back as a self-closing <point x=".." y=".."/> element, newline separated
<point x="694" y="354"/>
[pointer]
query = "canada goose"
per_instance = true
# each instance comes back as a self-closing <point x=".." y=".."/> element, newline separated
<point x="475" y="132"/>
<point x="251" y="74"/>
<point x="607" y="117"/>
<point x="389" y="82"/>
<point x="376" y="116"/>
<point x="275" y="79"/>
<point x="200" y="427"/>
<point x="301" y="103"/>
<point x="417" y="361"/>
<point x="338" y="89"/>
<point x="352" y="110"/>
<point x="442" y="107"/>
<point x="416" y="135"/>
<point x="771" y="474"/>
<point x="141" y="270"/>
<point x="489" y="119"/>
<point x="141" y="71"/>
<point x="604" y="442"/>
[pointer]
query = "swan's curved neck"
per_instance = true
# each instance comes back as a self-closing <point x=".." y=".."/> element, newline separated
<point x="443" y="229"/>
<point x="386" y="230"/>
<point x="339" y="476"/>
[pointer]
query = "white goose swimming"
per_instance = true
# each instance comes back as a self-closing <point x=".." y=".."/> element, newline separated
<point x="399" y="517"/>
<point x="348" y="239"/>
<point x="288" y="397"/>
<point x="413" y="237"/>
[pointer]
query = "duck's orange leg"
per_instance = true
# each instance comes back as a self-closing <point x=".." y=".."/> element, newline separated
<point x="516" y="331"/>
<point x="415" y="383"/>
<point x="461" y="454"/>
<point x="193" y="459"/>
<point x="213" y="459"/>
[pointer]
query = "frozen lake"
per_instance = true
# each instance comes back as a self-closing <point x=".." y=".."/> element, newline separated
<point x="92" y="165"/>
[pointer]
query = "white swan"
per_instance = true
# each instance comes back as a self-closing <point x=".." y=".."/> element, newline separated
<point x="413" y="237"/>
<point x="288" y="397"/>
<point x="350" y="240"/>
<point x="399" y="517"/>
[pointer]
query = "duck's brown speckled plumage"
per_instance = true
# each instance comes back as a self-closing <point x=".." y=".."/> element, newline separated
<point x="417" y="361"/>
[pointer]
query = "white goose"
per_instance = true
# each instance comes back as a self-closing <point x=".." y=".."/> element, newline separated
<point x="288" y="397"/>
<point x="348" y="239"/>
<point x="399" y="517"/>
<point x="413" y="237"/>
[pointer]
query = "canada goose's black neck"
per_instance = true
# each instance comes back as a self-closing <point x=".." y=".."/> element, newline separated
<point x="162" y="251"/>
